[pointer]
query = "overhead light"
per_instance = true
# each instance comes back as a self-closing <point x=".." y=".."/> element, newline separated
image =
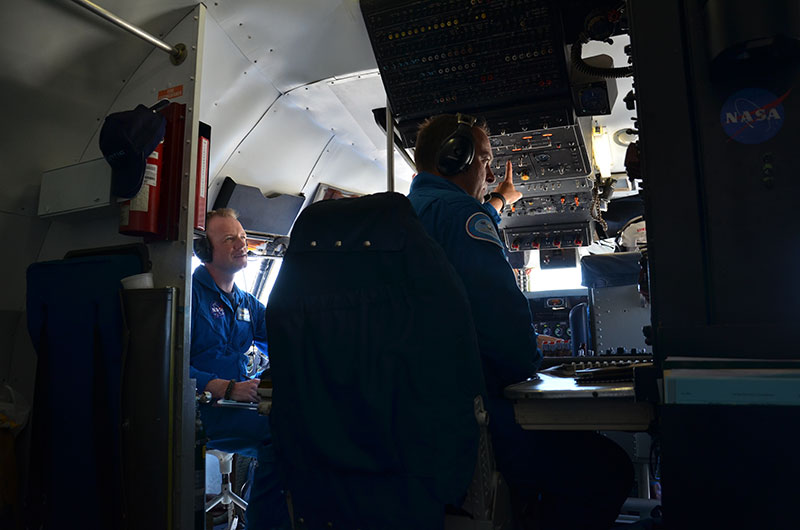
<point x="601" y="150"/>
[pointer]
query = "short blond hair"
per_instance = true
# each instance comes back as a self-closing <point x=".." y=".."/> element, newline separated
<point x="222" y="212"/>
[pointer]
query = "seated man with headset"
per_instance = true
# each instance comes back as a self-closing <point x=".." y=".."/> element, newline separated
<point x="557" y="479"/>
<point x="226" y="324"/>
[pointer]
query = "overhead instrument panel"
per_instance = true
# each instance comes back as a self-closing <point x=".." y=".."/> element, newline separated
<point x="543" y="144"/>
<point x="552" y="170"/>
<point x="455" y="55"/>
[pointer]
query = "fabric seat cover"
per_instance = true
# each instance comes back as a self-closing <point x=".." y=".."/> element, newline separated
<point x="375" y="367"/>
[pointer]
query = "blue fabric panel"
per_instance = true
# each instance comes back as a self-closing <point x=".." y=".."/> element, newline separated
<point x="76" y="325"/>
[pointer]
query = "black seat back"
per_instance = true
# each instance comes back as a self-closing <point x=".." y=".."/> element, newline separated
<point x="375" y="367"/>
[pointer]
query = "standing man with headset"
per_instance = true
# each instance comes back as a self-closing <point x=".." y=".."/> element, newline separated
<point x="557" y="479"/>
<point x="226" y="323"/>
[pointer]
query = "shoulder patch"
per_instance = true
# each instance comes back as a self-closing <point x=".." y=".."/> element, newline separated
<point x="480" y="226"/>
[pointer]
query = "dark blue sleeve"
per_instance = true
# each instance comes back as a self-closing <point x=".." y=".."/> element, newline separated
<point x="199" y="342"/>
<point x="492" y="212"/>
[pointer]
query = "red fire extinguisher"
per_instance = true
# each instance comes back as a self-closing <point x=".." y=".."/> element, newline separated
<point x="139" y="215"/>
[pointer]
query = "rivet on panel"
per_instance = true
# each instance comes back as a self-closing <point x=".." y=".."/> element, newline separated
<point x="367" y="244"/>
<point x="313" y="244"/>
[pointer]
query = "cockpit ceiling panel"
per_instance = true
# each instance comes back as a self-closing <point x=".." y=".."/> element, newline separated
<point x="339" y="109"/>
<point x="345" y="168"/>
<point x="345" y="107"/>
<point x="234" y="94"/>
<point x="296" y="43"/>
<point x="280" y="152"/>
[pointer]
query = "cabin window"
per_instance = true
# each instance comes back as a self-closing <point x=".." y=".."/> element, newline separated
<point x="553" y="279"/>
<point x="257" y="278"/>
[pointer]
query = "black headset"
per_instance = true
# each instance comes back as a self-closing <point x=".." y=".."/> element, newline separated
<point x="457" y="150"/>
<point x="203" y="249"/>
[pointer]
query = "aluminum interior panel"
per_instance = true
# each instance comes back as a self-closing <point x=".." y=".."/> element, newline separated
<point x="345" y="168"/>
<point x="279" y="153"/>
<point x="296" y="43"/>
<point x="234" y="94"/>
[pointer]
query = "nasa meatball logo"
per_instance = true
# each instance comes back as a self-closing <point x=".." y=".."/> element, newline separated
<point x="216" y="310"/>
<point x="753" y="115"/>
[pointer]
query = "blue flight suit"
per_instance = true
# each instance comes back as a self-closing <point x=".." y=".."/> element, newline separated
<point x="222" y="332"/>
<point x="534" y="463"/>
<point x="468" y="233"/>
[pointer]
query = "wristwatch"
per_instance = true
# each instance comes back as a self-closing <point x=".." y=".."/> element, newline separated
<point x="229" y="390"/>
<point x="499" y="196"/>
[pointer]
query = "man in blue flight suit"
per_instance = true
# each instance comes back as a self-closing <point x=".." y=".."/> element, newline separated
<point x="226" y="323"/>
<point x="570" y="480"/>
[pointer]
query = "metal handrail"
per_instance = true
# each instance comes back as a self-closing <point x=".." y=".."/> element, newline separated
<point x="177" y="54"/>
<point x="389" y="148"/>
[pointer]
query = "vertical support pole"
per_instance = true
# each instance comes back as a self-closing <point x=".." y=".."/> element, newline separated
<point x="389" y="148"/>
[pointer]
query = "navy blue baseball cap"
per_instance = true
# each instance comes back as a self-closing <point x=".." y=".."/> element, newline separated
<point x="126" y="140"/>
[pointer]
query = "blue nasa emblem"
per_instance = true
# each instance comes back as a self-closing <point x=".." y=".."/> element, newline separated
<point x="752" y="115"/>
<point x="216" y="310"/>
<point x="480" y="226"/>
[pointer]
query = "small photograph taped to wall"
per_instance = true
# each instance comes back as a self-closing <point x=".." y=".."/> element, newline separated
<point x="326" y="192"/>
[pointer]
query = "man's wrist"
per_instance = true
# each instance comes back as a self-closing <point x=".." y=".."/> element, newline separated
<point x="497" y="195"/>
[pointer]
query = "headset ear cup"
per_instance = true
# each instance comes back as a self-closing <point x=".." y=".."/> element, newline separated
<point x="457" y="150"/>
<point x="456" y="153"/>
<point x="202" y="249"/>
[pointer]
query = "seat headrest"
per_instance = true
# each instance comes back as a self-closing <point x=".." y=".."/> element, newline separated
<point x="378" y="222"/>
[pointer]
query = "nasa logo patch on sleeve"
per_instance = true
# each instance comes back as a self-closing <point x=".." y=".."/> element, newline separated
<point x="480" y="226"/>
